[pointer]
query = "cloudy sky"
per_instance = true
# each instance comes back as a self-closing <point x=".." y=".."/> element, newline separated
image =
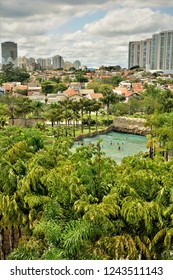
<point x="96" y="32"/>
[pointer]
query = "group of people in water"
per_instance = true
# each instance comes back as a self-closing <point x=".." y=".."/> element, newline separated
<point x="119" y="146"/>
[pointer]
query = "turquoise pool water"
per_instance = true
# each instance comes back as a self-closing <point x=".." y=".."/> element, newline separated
<point x="118" y="145"/>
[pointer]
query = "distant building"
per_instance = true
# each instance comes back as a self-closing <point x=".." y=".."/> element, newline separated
<point x="48" y="63"/>
<point x="22" y="62"/>
<point x="162" y="51"/>
<point x="57" y="62"/>
<point x="30" y="61"/>
<point x="139" y="53"/>
<point x="155" y="53"/>
<point x="67" y="65"/>
<point x="9" y="53"/>
<point x="77" y="64"/>
<point x="42" y="62"/>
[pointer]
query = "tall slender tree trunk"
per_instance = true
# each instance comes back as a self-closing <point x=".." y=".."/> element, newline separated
<point x="98" y="172"/>
<point x="66" y="133"/>
<point x="166" y="155"/>
<point x="24" y="120"/>
<point x="82" y="128"/>
<point x="108" y="115"/>
<point x="151" y="152"/>
<point x="2" y="255"/>
<point x="19" y="232"/>
<point x="11" y="238"/>
<point x="74" y="128"/>
<point x="96" y="120"/>
<point x="89" y="122"/>
<point x="12" y="120"/>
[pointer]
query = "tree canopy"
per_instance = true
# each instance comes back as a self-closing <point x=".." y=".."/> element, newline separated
<point x="14" y="74"/>
<point x="81" y="204"/>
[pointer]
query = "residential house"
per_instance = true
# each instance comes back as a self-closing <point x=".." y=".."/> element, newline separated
<point x="125" y="92"/>
<point x="8" y="86"/>
<point x="32" y="88"/>
<point x="137" y="87"/>
<point x="128" y="95"/>
<point x="61" y="96"/>
<point x="72" y="94"/>
<point x="75" y="85"/>
<point x="95" y="96"/>
<point x="86" y="92"/>
<point x="37" y="96"/>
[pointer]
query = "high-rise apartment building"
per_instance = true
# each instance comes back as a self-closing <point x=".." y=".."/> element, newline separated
<point x="139" y="53"/>
<point x="48" y="63"/>
<point x="45" y="63"/>
<point x="77" y="64"/>
<point x="155" y="53"/>
<point x="9" y="53"/>
<point x="42" y="62"/>
<point x="57" y="62"/>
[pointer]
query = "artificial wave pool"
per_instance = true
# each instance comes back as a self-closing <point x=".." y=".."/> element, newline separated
<point x="117" y="145"/>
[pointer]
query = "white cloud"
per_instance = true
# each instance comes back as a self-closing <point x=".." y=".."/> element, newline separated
<point x="129" y="21"/>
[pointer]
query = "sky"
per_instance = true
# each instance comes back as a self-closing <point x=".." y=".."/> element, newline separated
<point x="96" y="32"/>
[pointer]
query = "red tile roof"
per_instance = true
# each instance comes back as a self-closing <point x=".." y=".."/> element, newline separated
<point x="137" y="86"/>
<point x="96" y="95"/>
<point x="70" y="92"/>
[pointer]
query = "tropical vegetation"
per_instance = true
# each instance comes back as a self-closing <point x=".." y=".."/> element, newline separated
<point x="80" y="204"/>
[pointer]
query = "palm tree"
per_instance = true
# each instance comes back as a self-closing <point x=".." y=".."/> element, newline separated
<point x="50" y="114"/>
<point x="67" y="112"/>
<point x="10" y="109"/>
<point x="96" y="108"/>
<point x="38" y="108"/>
<point x="24" y="106"/>
<point x="83" y="107"/>
<point x="89" y="108"/>
<point x="152" y="144"/>
<point x="75" y="106"/>
<point x="109" y="97"/>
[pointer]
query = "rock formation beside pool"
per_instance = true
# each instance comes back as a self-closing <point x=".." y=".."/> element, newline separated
<point x="130" y="125"/>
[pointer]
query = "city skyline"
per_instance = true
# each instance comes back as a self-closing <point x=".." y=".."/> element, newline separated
<point x="96" y="33"/>
<point x="9" y="51"/>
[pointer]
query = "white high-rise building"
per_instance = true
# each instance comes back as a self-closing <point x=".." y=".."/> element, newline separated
<point x="155" y="53"/>
<point x="162" y="51"/>
<point x="48" y="63"/>
<point x="42" y="62"/>
<point x="139" y="53"/>
<point x="77" y="64"/>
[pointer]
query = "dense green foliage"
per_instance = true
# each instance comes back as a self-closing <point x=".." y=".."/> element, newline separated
<point x="82" y="205"/>
<point x="52" y="86"/>
<point x="13" y="74"/>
